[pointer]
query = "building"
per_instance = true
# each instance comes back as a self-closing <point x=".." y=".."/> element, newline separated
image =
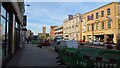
<point x="28" y="32"/>
<point x="72" y="27"/>
<point x="44" y="30"/>
<point x="29" y="35"/>
<point x="11" y="20"/>
<point x="102" y="24"/>
<point x="40" y="34"/>
<point x="52" y="35"/>
<point x="58" y="31"/>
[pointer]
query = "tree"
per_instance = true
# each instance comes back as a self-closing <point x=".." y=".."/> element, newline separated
<point x="44" y="37"/>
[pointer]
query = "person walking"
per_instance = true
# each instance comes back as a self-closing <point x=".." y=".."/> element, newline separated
<point x="27" y="40"/>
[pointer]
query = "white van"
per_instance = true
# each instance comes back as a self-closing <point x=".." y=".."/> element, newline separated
<point x="66" y="44"/>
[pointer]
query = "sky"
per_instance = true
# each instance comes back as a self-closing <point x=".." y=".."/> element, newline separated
<point x="54" y="13"/>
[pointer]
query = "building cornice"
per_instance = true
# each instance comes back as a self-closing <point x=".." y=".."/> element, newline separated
<point x="102" y="7"/>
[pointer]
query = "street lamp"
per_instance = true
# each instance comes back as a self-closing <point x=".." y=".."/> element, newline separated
<point x="27" y="5"/>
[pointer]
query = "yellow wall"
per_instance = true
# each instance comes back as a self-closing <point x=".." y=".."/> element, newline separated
<point x="114" y="24"/>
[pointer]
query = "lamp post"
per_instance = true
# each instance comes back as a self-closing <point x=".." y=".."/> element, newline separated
<point x="27" y="5"/>
<point x="24" y="29"/>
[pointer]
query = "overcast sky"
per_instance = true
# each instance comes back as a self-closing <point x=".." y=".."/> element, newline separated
<point x="53" y="13"/>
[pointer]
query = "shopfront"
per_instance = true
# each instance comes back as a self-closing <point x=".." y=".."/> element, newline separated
<point x="10" y="28"/>
<point x="4" y="31"/>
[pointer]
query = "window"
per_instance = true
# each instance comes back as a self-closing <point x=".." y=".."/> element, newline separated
<point x="92" y="27"/>
<point x="102" y="25"/>
<point x="92" y="17"/>
<point x="108" y="11"/>
<point x="88" y="18"/>
<point x="97" y="15"/>
<point x="77" y="20"/>
<point x="97" y="26"/>
<point x="102" y="13"/>
<point x="88" y="27"/>
<point x="4" y="31"/>
<point x="109" y="24"/>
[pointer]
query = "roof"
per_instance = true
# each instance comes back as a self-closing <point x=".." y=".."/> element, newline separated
<point x="102" y="7"/>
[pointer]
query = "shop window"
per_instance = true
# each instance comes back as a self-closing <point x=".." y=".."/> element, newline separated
<point x="4" y="29"/>
<point x="3" y="36"/>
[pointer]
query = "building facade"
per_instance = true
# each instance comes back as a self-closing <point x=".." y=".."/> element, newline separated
<point x="29" y="35"/>
<point x="72" y="27"/>
<point x="102" y="24"/>
<point x="58" y="31"/>
<point x="11" y="25"/>
<point x="40" y="35"/>
<point x="52" y="35"/>
<point x="44" y="30"/>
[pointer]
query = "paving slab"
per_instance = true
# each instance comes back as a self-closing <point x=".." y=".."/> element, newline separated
<point x="31" y="56"/>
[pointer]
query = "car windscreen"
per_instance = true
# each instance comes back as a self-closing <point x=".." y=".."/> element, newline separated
<point x="72" y="44"/>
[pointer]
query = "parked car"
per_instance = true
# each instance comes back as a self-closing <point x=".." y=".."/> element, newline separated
<point x="98" y="43"/>
<point x="66" y="44"/>
<point x="40" y="43"/>
<point x="81" y="42"/>
<point x="46" y="43"/>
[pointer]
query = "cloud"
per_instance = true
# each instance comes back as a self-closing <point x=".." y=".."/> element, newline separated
<point x="54" y="13"/>
<point x="37" y="27"/>
<point x="42" y="14"/>
<point x="71" y="0"/>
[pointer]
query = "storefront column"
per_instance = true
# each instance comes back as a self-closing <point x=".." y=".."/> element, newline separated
<point x="105" y="37"/>
<point x="115" y="38"/>
<point x="87" y="38"/>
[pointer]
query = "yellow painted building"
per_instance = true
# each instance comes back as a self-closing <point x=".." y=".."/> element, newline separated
<point x="72" y="27"/>
<point x="102" y="24"/>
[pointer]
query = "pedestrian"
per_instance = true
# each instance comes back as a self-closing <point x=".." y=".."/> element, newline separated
<point x="27" y="40"/>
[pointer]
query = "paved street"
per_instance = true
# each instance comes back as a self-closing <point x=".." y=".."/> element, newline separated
<point x="31" y="55"/>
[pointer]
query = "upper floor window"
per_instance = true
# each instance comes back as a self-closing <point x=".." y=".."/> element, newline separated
<point x="109" y="24"/>
<point x="88" y="27"/>
<point x="77" y="20"/>
<point x="97" y="26"/>
<point x="102" y="13"/>
<point x="88" y="18"/>
<point x="108" y="11"/>
<point x="102" y="25"/>
<point x="92" y="17"/>
<point x="97" y="15"/>
<point x="92" y="27"/>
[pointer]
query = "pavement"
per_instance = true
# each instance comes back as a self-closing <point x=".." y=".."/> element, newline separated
<point x="33" y="56"/>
